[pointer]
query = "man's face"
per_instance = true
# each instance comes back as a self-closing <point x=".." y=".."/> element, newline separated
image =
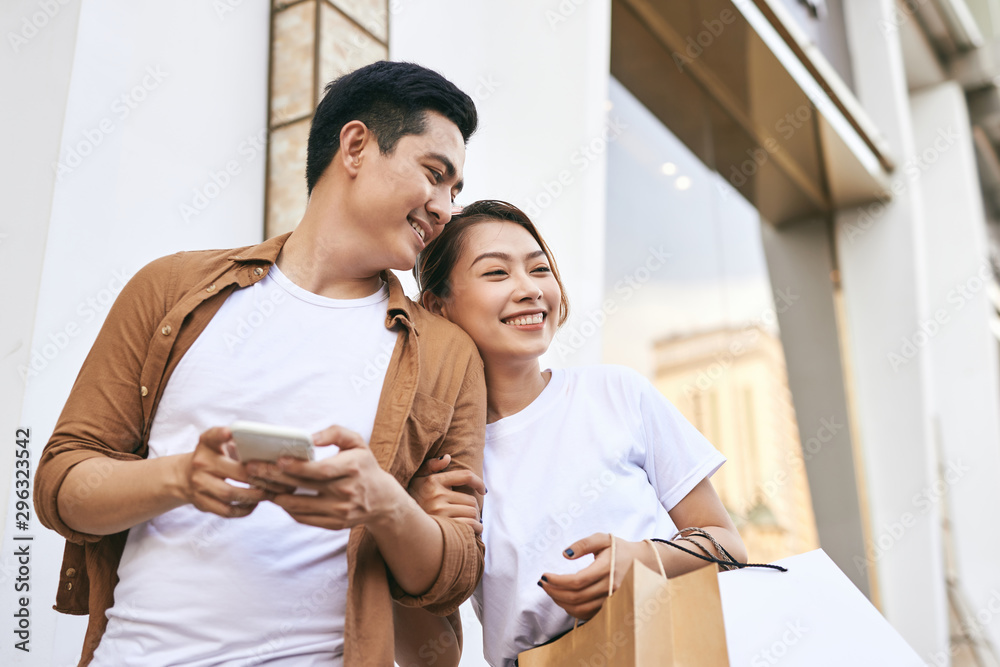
<point x="405" y="197"/>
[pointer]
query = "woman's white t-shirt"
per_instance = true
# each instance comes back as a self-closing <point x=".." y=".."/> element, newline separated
<point x="600" y="450"/>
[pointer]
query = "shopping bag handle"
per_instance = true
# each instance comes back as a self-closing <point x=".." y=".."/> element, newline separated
<point x="730" y="563"/>
<point x="656" y="552"/>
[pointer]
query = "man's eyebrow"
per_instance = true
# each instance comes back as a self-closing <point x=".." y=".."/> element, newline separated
<point x="449" y="169"/>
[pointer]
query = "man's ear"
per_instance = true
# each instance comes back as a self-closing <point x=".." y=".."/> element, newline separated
<point x="435" y="304"/>
<point x="354" y="138"/>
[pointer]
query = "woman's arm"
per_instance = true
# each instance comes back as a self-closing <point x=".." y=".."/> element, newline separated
<point x="583" y="593"/>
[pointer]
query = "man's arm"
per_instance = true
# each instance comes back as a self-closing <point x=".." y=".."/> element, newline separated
<point x="93" y="478"/>
<point x="436" y="561"/>
<point x="130" y="492"/>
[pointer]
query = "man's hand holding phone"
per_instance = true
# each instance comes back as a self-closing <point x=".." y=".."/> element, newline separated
<point x="351" y="488"/>
<point x="205" y="475"/>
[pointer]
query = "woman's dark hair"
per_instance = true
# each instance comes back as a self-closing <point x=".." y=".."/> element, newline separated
<point x="392" y="99"/>
<point x="436" y="261"/>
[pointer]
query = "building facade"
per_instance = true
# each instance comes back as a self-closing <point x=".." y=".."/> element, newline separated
<point x="832" y="162"/>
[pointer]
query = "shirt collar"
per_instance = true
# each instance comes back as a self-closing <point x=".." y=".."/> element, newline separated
<point x="400" y="309"/>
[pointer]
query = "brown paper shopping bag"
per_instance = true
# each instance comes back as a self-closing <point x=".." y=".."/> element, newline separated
<point x="650" y="621"/>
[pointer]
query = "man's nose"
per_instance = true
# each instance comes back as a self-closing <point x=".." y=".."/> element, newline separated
<point x="439" y="207"/>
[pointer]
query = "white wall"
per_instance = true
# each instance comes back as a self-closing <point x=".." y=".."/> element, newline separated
<point x="960" y="347"/>
<point x="883" y="264"/>
<point x="539" y="78"/>
<point x="161" y="96"/>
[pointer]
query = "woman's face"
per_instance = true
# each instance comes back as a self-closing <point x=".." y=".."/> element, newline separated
<point x="503" y="293"/>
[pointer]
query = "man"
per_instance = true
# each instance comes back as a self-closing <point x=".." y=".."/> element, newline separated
<point x="182" y="555"/>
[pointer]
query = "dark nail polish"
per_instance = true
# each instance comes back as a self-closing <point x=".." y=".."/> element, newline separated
<point x="440" y="458"/>
<point x="569" y="552"/>
<point x="539" y="584"/>
<point x="545" y="579"/>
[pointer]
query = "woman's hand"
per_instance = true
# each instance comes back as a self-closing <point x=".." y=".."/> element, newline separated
<point x="448" y="493"/>
<point x="582" y="594"/>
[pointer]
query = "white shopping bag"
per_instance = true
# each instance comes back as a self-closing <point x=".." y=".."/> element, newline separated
<point x="811" y="615"/>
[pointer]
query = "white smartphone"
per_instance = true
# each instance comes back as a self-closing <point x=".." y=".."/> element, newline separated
<point x="263" y="442"/>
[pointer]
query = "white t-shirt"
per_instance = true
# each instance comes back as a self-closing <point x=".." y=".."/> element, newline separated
<point x="199" y="589"/>
<point x="599" y="450"/>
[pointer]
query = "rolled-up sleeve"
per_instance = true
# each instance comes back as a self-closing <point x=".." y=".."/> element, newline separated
<point x="103" y="416"/>
<point x="464" y="552"/>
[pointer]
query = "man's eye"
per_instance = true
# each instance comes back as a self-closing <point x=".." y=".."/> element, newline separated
<point x="438" y="176"/>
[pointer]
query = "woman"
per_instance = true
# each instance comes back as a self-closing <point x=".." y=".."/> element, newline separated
<point x="571" y="455"/>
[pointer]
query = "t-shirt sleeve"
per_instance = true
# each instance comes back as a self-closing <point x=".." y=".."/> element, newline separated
<point x="678" y="456"/>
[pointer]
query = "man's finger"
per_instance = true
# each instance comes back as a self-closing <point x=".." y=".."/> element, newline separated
<point x="215" y="437"/>
<point x="344" y="438"/>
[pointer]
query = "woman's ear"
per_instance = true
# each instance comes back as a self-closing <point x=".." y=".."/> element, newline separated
<point x="435" y="304"/>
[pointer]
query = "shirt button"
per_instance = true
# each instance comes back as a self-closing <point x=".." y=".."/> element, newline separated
<point x="70" y="572"/>
<point x="69" y="585"/>
<point x="258" y="271"/>
<point x="166" y="330"/>
<point x="210" y="288"/>
<point x="144" y="391"/>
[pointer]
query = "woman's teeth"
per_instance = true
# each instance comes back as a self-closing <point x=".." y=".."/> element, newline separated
<point x="417" y="228"/>
<point x="525" y="320"/>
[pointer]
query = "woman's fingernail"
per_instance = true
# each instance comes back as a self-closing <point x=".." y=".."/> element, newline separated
<point x="569" y="552"/>
<point x="539" y="584"/>
<point x="545" y="579"/>
<point x="440" y="458"/>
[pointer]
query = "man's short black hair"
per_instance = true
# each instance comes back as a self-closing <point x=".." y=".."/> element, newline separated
<point x="392" y="99"/>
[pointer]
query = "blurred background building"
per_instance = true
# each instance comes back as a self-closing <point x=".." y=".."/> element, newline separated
<point x="786" y="213"/>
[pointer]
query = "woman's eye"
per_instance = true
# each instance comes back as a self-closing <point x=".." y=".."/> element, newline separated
<point x="496" y="272"/>
<point x="544" y="269"/>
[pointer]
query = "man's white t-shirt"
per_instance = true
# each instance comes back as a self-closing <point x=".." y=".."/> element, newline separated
<point x="599" y="451"/>
<point x="198" y="589"/>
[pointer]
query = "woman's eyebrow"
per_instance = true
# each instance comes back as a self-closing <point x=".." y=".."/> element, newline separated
<point x="504" y="256"/>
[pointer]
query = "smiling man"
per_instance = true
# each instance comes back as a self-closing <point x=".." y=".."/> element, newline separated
<point x="182" y="555"/>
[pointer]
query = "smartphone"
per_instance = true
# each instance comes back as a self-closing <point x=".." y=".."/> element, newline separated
<point x="263" y="442"/>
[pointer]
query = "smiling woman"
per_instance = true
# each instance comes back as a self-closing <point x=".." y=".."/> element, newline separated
<point x="548" y="559"/>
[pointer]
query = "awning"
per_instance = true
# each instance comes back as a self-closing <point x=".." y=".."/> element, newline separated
<point x="745" y="90"/>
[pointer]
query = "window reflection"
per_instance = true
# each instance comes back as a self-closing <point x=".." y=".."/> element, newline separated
<point x="695" y="312"/>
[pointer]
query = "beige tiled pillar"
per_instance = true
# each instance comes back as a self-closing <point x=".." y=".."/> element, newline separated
<point x="312" y="43"/>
